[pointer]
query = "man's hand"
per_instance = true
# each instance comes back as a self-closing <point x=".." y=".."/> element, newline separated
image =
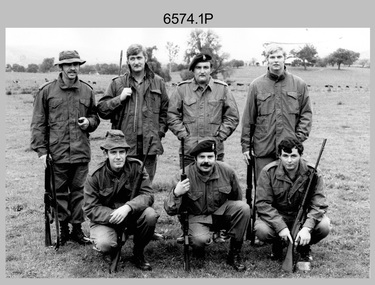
<point x="303" y="237"/>
<point x="182" y="187"/>
<point x="246" y="157"/>
<point x="125" y="93"/>
<point x="83" y="123"/>
<point x="284" y="234"/>
<point x="118" y="215"/>
<point x="43" y="159"/>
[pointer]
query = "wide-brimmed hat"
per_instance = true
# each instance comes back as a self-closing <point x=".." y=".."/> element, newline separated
<point x="69" y="56"/>
<point x="202" y="57"/>
<point x="114" y="139"/>
<point x="204" y="146"/>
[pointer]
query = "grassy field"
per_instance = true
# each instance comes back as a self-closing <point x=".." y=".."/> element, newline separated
<point x="341" y="114"/>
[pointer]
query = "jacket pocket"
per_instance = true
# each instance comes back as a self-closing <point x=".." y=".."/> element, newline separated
<point x="221" y="194"/>
<point x="84" y="105"/>
<point x="292" y="104"/>
<point x="190" y="104"/>
<point x="194" y="196"/>
<point x="266" y="104"/>
<point x="155" y="100"/>
<point x="57" y="111"/>
<point x="215" y="111"/>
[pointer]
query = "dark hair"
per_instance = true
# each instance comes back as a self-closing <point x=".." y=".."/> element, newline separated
<point x="135" y="49"/>
<point x="288" y="143"/>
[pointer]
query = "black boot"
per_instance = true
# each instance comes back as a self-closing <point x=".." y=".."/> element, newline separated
<point x="64" y="232"/>
<point x="139" y="259"/>
<point x="78" y="236"/>
<point x="234" y="256"/>
<point x="305" y="253"/>
<point x="277" y="250"/>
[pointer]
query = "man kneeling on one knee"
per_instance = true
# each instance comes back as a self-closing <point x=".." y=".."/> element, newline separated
<point x="280" y="190"/>
<point x="107" y="200"/>
<point x="212" y="196"/>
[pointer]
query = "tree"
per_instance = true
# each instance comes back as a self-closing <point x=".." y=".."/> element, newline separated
<point x="155" y="65"/>
<point x="32" y="68"/>
<point x="172" y="53"/>
<point x="47" y="64"/>
<point x="236" y="63"/>
<point x="307" y="54"/>
<point x="18" y="68"/>
<point x="8" y="68"/>
<point x="344" y="56"/>
<point x="209" y="43"/>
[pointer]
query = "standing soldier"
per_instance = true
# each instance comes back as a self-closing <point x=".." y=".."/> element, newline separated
<point x="278" y="105"/>
<point x="64" y="114"/>
<point x="202" y="108"/>
<point x="137" y="104"/>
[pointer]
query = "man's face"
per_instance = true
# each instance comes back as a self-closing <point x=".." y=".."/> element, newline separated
<point x="137" y="62"/>
<point x="70" y="70"/>
<point x="276" y="62"/>
<point x="205" y="161"/>
<point x="291" y="160"/>
<point x="116" y="157"/>
<point x="202" y="72"/>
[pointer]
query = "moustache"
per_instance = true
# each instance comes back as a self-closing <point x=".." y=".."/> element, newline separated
<point x="206" y="164"/>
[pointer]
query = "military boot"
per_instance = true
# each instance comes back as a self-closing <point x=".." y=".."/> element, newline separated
<point x="277" y="250"/>
<point x="139" y="259"/>
<point x="64" y="232"/>
<point x="78" y="235"/>
<point x="234" y="256"/>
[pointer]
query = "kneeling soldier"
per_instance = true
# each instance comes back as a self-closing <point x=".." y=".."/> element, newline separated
<point x="107" y="200"/>
<point x="212" y="197"/>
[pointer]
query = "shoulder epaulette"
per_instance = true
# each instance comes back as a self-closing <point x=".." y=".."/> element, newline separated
<point x="45" y="84"/>
<point x="86" y="83"/>
<point x="220" y="82"/>
<point x="133" y="160"/>
<point x="183" y="82"/>
<point x="114" y="78"/>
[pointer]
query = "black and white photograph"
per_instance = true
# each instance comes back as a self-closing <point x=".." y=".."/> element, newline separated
<point x="190" y="149"/>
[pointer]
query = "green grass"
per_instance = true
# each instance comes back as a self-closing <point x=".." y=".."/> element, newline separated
<point x="341" y="115"/>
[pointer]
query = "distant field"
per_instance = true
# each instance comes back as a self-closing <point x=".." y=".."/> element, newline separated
<point x="341" y="114"/>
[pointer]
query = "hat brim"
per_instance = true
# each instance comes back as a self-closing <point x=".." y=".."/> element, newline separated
<point x="112" y="146"/>
<point x="71" y="60"/>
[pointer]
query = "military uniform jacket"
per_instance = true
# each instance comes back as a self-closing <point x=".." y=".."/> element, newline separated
<point x="123" y="115"/>
<point x="208" y="114"/>
<point x="278" y="107"/>
<point x="59" y="107"/>
<point x="278" y="198"/>
<point x="207" y="193"/>
<point x="104" y="191"/>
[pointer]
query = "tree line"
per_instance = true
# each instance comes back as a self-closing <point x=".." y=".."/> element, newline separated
<point x="201" y="41"/>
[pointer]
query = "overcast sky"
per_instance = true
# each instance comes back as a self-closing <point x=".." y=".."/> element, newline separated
<point x="103" y="45"/>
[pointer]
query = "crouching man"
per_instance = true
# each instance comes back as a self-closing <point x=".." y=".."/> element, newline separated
<point x="212" y="197"/>
<point x="107" y="200"/>
<point x="281" y="187"/>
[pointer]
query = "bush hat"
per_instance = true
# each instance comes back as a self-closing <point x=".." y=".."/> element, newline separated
<point x="114" y="139"/>
<point x="69" y="56"/>
<point x="204" y="146"/>
<point x="202" y="57"/>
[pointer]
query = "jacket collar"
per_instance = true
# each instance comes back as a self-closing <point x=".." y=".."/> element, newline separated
<point x="196" y="85"/>
<point x="204" y="178"/>
<point x="275" y="77"/>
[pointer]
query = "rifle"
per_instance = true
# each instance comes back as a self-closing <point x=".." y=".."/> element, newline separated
<point x="50" y="202"/>
<point x="288" y="264"/>
<point x="50" y="205"/>
<point x="119" y="71"/>
<point x="121" y="231"/>
<point x="184" y="214"/>
<point x="251" y="183"/>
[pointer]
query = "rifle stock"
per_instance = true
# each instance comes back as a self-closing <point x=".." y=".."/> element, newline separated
<point x="250" y="198"/>
<point x="121" y="229"/>
<point x="288" y="263"/>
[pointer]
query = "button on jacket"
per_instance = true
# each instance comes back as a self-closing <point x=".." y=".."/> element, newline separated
<point x="104" y="191"/>
<point x="63" y="106"/>
<point x="208" y="113"/>
<point x="123" y="115"/>
<point x="207" y="193"/>
<point x="278" y="198"/>
<point x="278" y="107"/>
